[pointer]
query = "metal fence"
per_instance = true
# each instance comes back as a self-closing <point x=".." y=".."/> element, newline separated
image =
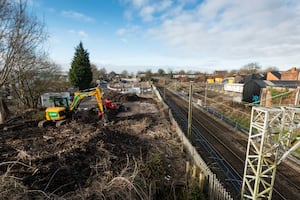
<point x="214" y="187"/>
<point x="217" y="114"/>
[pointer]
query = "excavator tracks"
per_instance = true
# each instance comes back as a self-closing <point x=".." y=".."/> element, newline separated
<point x="46" y="123"/>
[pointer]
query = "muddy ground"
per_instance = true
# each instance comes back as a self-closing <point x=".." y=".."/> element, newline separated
<point x="135" y="156"/>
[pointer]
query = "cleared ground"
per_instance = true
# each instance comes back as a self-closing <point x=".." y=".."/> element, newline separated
<point x="135" y="156"/>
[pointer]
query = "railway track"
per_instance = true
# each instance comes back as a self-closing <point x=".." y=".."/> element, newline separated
<point x="223" y="150"/>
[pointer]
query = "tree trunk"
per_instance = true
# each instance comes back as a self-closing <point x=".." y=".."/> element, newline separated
<point x="4" y="111"/>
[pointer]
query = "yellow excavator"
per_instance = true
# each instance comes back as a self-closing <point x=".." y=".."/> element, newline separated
<point x="62" y="111"/>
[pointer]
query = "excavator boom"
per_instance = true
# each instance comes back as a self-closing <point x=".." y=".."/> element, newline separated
<point x="63" y="112"/>
<point x="81" y="95"/>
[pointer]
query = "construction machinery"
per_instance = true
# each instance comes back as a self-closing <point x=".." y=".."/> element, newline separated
<point x="62" y="111"/>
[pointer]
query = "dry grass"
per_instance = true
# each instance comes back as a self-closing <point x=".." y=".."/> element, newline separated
<point x="153" y="164"/>
<point x="107" y="186"/>
<point x="102" y="185"/>
<point x="11" y="186"/>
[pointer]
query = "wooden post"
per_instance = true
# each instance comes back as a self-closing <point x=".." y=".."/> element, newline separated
<point x="187" y="172"/>
<point x="201" y="181"/>
<point x="187" y="167"/>
<point x="190" y="114"/>
<point x="194" y="171"/>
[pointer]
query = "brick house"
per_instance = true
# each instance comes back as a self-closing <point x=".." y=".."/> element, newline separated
<point x="273" y="76"/>
<point x="292" y="74"/>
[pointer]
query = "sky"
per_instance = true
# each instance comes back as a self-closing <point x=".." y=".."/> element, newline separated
<point x="190" y="35"/>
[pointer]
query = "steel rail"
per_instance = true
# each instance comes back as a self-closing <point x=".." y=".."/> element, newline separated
<point x="232" y="176"/>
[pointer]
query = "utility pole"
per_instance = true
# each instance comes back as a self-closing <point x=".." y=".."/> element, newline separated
<point x="190" y="114"/>
<point x="205" y="94"/>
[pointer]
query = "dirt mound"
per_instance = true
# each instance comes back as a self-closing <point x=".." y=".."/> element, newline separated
<point x="122" y="98"/>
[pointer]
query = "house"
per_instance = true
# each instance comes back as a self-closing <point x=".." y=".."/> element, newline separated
<point x="273" y="76"/>
<point x="253" y="77"/>
<point x="253" y="88"/>
<point x="221" y="73"/>
<point x="291" y="74"/>
<point x="218" y="79"/>
<point x="210" y="80"/>
<point x="219" y="76"/>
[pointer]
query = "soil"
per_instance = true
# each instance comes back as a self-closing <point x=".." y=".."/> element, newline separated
<point x="135" y="156"/>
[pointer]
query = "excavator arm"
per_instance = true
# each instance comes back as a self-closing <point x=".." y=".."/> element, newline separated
<point x="81" y="95"/>
<point x="61" y="113"/>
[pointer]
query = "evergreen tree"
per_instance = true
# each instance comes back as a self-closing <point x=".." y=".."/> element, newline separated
<point x="80" y="74"/>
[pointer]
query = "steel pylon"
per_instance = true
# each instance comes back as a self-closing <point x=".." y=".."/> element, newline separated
<point x="270" y="140"/>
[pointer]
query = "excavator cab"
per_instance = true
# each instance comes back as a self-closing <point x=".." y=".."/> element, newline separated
<point x="62" y="111"/>
<point x="61" y="101"/>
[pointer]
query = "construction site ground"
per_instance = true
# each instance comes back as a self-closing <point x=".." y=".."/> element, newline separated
<point x="134" y="156"/>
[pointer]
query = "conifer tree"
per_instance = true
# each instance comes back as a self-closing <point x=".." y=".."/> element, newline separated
<point x="80" y="74"/>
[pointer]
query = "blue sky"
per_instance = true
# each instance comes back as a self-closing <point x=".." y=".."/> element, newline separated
<point x="137" y="35"/>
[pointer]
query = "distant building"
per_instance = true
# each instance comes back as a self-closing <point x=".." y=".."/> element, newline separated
<point x="186" y="77"/>
<point x="273" y="76"/>
<point x="253" y="88"/>
<point x="292" y="74"/>
<point x="218" y="79"/>
<point x="254" y="77"/>
<point x="210" y="80"/>
<point x="221" y="73"/>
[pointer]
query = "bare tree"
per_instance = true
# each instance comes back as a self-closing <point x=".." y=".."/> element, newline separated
<point x="161" y="72"/>
<point x="95" y="72"/>
<point x="28" y="85"/>
<point x="271" y="69"/>
<point x="102" y="74"/>
<point x="124" y="74"/>
<point x="21" y="35"/>
<point x="250" y="68"/>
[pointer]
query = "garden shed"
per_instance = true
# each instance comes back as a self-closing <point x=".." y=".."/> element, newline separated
<point x="252" y="88"/>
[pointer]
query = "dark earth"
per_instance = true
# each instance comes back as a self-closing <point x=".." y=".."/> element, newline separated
<point x="134" y="156"/>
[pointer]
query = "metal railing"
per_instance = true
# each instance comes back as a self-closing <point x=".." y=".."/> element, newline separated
<point x="231" y="176"/>
<point x="215" y="189"/>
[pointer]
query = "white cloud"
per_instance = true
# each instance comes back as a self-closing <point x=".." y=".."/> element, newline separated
<point x="147" y="13"/>
<point x="83" y="34"/>
<point x="129" y="30"/>
<point x="76" y="15"/>
<point x="80" y="33"/>
<point x="146" y="9"/>
<point x="128" y="14"/>
<point x="234" y="29"/>
<point x="138" y="3"/>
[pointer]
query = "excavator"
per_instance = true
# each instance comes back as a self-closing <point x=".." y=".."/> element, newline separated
<point x="63" y="112"/>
